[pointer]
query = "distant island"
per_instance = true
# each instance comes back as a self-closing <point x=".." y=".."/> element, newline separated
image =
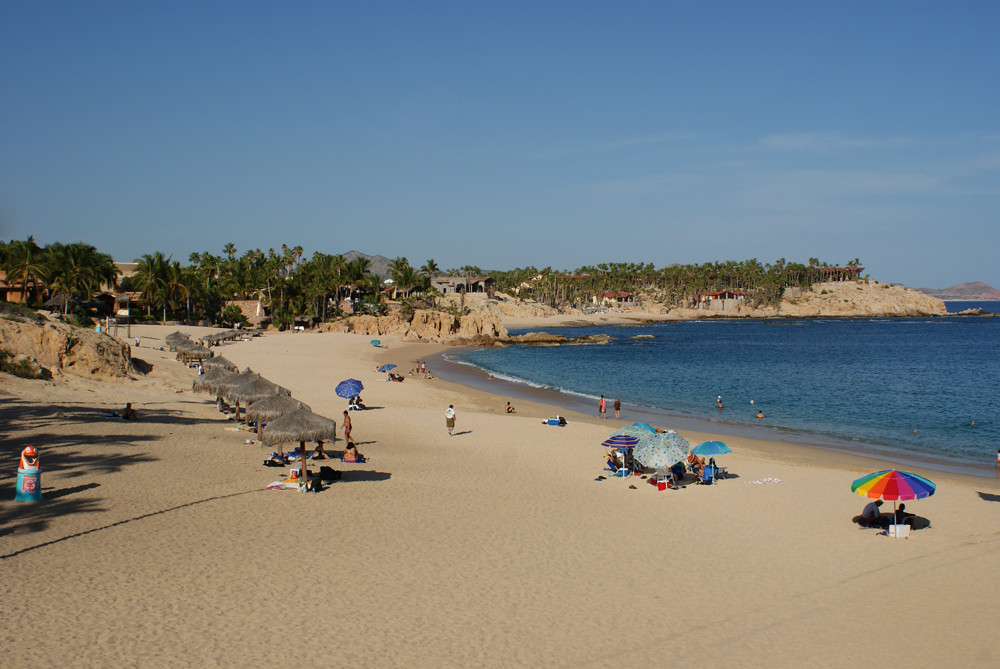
<point x="972" y="291"/>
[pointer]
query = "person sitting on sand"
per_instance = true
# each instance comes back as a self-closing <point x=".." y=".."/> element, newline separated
<point x="509" y="408"/>
<point x="903" y="517"/>
<point x="872" y="514"/>
<point x="319" y="453"/>
<point x="351" y="452"/>
<point x="128" y="413"/>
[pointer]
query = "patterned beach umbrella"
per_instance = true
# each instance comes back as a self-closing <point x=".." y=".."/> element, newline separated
<point x="662" y="449"/>
<point x="387" y="367"/>
<point x="711" y="449"/>
<point x="893" y="485"/>
<point x="646" y="426"/>
<point x="349" y="388"/>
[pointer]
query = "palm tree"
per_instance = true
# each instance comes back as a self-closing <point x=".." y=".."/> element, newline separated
<point x="24" y="263"/>
<point x="76" y="269"/>
<point x="151" y="278"/>
<point x="430" y="268"/>
<point x="174" y="286"/>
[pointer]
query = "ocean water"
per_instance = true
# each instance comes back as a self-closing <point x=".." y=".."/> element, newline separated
<point x="861" y="385"/>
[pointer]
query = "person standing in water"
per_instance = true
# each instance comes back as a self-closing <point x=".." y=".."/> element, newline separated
<point x="718" y="401"/>
<point x="618" y="408"/>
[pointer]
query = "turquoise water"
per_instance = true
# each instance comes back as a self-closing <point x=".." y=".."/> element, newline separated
<point x="857" y="384"/>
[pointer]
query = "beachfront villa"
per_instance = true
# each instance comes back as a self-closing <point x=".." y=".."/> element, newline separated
<point x="720" y="300"/>
<point x="453" y="285"/>
<point x="615" y="299"/>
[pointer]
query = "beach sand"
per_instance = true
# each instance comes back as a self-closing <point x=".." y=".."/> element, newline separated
<point x="158" y="544"/>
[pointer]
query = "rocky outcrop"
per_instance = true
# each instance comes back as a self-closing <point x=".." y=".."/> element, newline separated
<point x="427" y="325"/>
<point x="835" y="299"/>
<point x="61" y="348"/>
<point x="857" y="299"/>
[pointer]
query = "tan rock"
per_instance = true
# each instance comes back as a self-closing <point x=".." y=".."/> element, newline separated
<point x="63" y="348"/>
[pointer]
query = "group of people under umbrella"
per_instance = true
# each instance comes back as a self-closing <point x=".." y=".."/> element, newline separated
<point x="279" y="418"/>
<point x="642" y="448"/>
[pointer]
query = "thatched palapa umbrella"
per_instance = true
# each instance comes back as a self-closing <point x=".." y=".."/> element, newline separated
<point x="270" y="408"/>
<point x="175" y="338"/>
<point x="219" y="361"/>
<point x="256" y="387"/>
<point x="217" y="380"/>
<point x="301" y="425"/>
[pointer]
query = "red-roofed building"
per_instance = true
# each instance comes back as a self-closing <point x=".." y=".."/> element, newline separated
<point x="841" y="273"/>
<point x="720" y="299"/>
<point x="614" y="299"/>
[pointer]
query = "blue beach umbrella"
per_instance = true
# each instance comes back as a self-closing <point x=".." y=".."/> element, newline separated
<point x="387" y="368"/>
<point x="375" y="342"/>
<point x="711" y="448"/>
<point x="349" y="388"/>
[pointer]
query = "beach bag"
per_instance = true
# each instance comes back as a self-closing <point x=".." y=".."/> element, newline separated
<point x="329" y="474"/>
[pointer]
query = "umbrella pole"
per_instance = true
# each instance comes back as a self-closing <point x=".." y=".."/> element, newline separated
<point x="302" y="471"/>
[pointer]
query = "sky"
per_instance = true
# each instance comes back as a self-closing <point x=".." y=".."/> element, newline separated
<point x="510" y="134"/>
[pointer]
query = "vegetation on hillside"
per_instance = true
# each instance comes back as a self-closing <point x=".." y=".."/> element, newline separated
<point x="291" y="286"/>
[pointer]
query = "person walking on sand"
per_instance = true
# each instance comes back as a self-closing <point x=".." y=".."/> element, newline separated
<point x="602" y="408"/>
<point x="347" y="426"/>
<point x="449" y="418"/>
<point x="618" y="408"/>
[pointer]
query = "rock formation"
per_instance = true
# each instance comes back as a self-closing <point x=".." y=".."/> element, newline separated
<point x="63" y="348"/>
<point x="426" y="325"/>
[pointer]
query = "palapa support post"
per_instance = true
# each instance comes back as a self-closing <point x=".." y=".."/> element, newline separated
<point x="29" y="477"/>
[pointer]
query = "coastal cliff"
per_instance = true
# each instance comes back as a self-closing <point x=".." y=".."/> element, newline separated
<point x="437" y="326"/>
<point x="835" y="299"/>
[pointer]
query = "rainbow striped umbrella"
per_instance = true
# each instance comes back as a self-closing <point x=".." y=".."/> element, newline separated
<point x="893" y="485"/>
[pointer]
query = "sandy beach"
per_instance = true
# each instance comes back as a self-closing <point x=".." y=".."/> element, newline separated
<point x="158" y="543"/>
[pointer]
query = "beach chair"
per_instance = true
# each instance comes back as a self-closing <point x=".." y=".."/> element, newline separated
<point x="609" y="465"/>
<point x="708" y="477"/>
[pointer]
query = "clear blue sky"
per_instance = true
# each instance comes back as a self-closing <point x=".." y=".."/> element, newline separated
<point x="507" y="134"/>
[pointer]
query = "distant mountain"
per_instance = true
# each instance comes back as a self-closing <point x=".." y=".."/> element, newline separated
<point x="976" y="290"/>
<point x="379" y="266"/>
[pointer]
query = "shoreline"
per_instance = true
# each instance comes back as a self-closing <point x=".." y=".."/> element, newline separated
<point x="579" y="407"/>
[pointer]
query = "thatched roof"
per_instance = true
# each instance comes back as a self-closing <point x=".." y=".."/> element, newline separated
<point x="216" y="380"/>
<point x="299" y="425"/>
<point x="256" y="387"/>
<point x="195" y="352"/>
<point x="219" y="361"/>
<point x="272" y="407"/>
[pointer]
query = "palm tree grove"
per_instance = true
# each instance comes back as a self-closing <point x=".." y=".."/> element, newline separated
<point x="69" y="277"/>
